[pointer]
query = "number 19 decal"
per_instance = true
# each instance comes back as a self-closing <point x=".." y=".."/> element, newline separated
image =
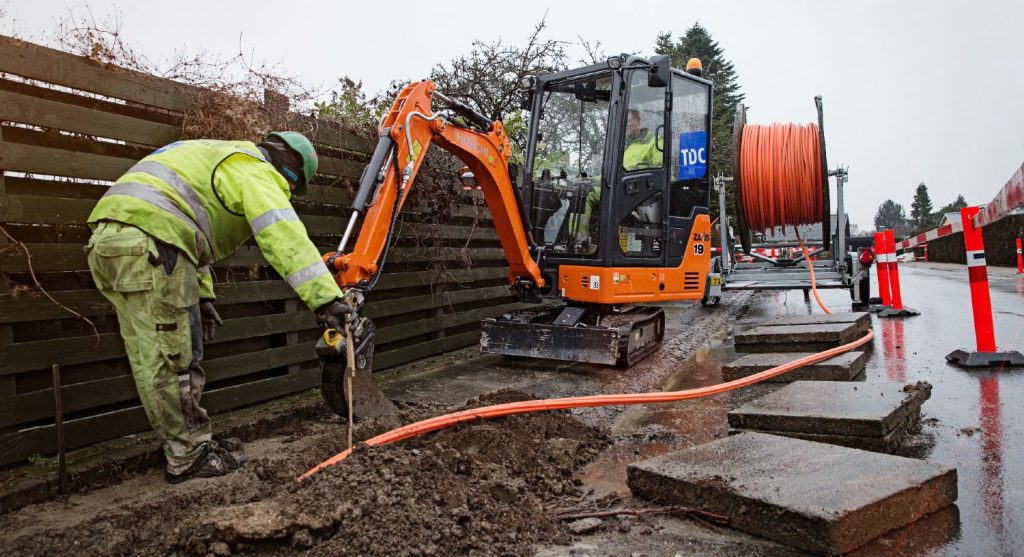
<point x="698" y="249"/>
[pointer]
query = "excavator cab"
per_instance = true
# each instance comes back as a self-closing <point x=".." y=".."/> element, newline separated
<point x="616" y="168"/>
<point x="618" y="189"/>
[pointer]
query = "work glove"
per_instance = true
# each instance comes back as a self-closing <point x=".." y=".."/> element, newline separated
<point x="210" y="319"/>
<point x="335" y="315"/>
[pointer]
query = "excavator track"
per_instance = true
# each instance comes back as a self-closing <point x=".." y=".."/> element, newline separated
<point x="620" y="337"/>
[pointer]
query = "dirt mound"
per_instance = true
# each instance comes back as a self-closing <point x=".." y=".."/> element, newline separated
<point x="480" y="488"/>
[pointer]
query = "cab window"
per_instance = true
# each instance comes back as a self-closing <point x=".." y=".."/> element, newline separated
<point x="690" y="152"/>
<point x="643" y="147"/>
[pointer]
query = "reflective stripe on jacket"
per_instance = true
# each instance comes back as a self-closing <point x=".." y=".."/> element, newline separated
<point x="209" y="197"/>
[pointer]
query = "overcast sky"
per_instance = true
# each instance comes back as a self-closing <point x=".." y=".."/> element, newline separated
<point x="913" y="91"/>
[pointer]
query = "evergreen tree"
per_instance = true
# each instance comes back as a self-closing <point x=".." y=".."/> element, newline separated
<point x="890" y="215"/>
<point x="921" y="209"/>
<point x="697" y="43"/>
<point x="955" y="206"/>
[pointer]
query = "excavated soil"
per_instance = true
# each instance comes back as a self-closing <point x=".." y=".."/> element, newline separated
<point x="482" y="488"/>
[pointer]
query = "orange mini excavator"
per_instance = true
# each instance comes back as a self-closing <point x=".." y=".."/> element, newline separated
<point x="610" y="212"/>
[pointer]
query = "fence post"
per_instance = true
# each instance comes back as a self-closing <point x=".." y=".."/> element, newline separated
<point x="895" y="294"/>
<point x="981" y="302"/>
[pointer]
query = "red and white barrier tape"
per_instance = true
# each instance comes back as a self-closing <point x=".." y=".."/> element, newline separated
<point x="1008" y="199"/>
<point x="934" y="234"/>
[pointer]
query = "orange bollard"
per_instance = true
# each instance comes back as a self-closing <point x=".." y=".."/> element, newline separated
<point x="882" y="269"/>
<point x="895" y="294"/>
<point x="981" y="304"/>
<point x="1020" y="257"/>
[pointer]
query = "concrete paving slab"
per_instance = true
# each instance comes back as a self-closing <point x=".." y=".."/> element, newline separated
<point x="888" y="443"/>
<point x="859" y="318"/>
<point x="835" y="408"/>
<point x="811" y="332"/>
<point x="843" y="367"/>
<point x="817" y="497"/>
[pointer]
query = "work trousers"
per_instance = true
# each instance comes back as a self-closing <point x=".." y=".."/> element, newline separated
<point x="157" y="304"/>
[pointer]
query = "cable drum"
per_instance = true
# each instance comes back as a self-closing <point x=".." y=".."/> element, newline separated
<point x="780" y="175"/>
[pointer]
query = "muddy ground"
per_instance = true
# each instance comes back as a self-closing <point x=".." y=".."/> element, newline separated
<point x="482" y="488"/>
<point x="511" y="486"/>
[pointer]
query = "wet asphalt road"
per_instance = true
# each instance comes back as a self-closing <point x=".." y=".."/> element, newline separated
<point x="980" y="414"/>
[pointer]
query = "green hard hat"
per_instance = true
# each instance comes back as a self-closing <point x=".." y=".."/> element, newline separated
<point x="298" y="143"/>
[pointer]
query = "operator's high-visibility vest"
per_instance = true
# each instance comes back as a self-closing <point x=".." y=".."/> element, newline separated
<point x="207" y="198"/>
<point x="642" y="154"/>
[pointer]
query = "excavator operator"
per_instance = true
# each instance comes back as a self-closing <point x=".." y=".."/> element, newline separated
<point x="641" y="152"/>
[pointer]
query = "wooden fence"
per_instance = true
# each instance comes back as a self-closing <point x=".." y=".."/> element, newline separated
<point x="68" y="127"/>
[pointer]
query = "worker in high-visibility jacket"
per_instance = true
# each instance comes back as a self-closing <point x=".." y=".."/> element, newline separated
<point x="641" y="153"/>
<point x="156" y="232"/>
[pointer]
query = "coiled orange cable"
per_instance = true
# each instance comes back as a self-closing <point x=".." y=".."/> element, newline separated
<point x="780" y="175"/>
<point x="486" y="412"/>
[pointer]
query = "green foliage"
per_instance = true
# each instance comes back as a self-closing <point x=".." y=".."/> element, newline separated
<point x="921" y="217"/>
<point x="891" y="215"/>
<point x="350" y="105"/>
<point x="39" y="460"/>
<point x="956" y="205"/>
<point x="698" y="43"/>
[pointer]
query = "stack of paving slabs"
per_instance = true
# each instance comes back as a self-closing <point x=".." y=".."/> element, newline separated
<point x="787" y="338"/>
<point x="869" y="416"/>
<point x="817" y="497"/>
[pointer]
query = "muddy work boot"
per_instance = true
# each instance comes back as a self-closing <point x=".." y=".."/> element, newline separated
<point x="215" y="461"/>
<point x="232" y="444"/>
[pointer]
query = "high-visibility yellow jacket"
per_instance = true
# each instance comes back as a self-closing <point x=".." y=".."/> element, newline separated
<point x="209" y="197"/>
<point x="642" y="153"/>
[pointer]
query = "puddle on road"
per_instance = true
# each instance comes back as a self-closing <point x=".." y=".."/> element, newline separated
<point x="645" y="431"/>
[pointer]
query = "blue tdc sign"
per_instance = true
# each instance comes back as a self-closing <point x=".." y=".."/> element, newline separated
<point x="693" y="155"/>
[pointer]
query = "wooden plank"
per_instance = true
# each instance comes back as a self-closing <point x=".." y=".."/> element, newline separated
<point x="432" y="324"/>
<point x="18" y="446"/>
<point x="330" y="133"/>
<point x="56" y="115"/>
<point x="26" y="356"/>
<point x="413" y="352"/>
<point x="70" y="257"/>
<point x="36" y="355"/>
<point x="38" y="405"/>
<point x="338" y="167"/>
<point x="91" y="303"/>
<point x="53" y="66"/>
<point x="48" y="209"/>
<point x="19" y="157"/>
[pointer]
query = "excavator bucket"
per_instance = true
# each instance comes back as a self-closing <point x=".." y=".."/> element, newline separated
<point x="367" y="400"/>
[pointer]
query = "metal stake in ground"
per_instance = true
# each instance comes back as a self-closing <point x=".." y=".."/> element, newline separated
<point x="58" y="416"/>
<point x="897" y="309"/>
<point x="981" y="302"/>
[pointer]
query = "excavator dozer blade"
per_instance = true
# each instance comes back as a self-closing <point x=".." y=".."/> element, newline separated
<point x="620" y="339"/>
